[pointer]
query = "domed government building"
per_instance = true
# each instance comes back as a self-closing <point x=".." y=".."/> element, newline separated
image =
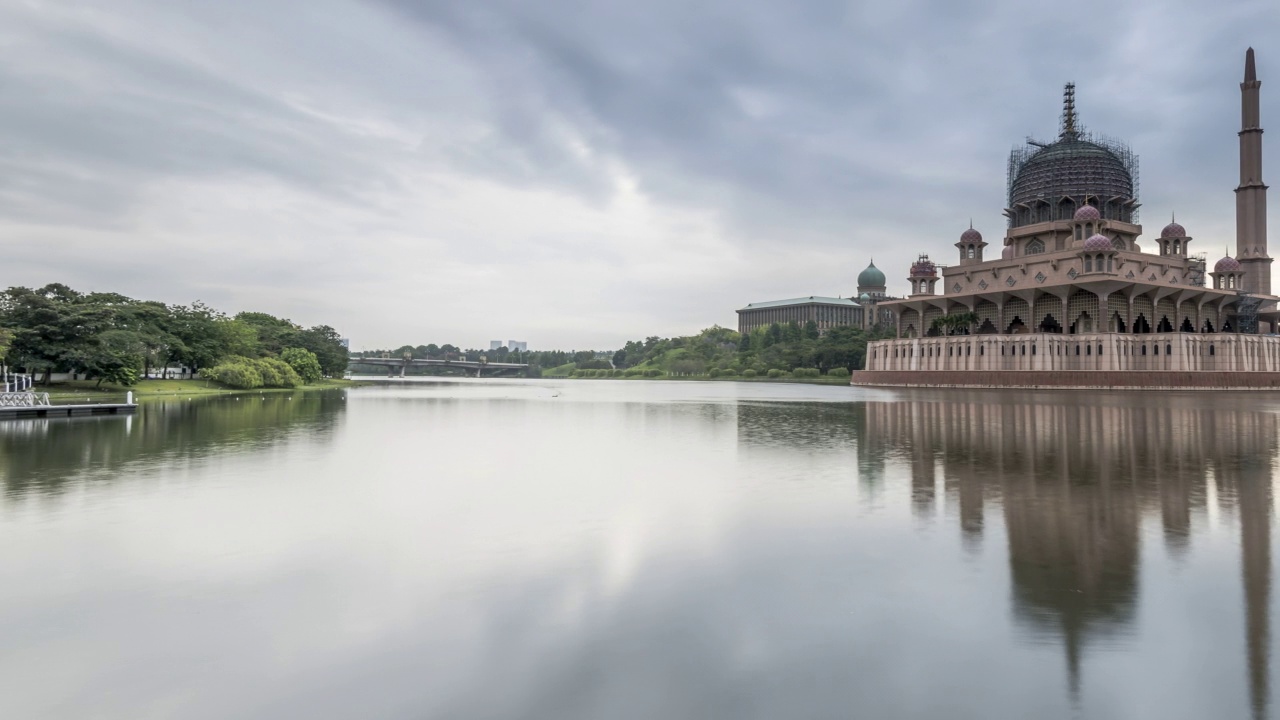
<point x="859" y="310"/>
<point x="1071" y="300"/>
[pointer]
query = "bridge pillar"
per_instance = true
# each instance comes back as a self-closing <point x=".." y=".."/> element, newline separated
<point x="403" y="368"/>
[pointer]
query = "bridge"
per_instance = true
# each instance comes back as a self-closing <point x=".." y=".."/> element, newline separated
<point x="394" y="364"/>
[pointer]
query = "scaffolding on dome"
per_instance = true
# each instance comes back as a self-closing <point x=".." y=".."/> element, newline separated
<point x="1049" y="180"/>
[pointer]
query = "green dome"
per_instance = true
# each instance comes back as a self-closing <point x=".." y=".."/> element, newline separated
<point x="864" y="297"/>
<point x="871" y="277"/>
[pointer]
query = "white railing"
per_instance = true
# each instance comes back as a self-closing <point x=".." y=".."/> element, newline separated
<point x="15" y="382"/>
<point x="24" y="399"/>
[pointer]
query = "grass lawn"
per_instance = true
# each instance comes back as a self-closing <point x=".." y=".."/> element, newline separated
<point x="164" y="388"/>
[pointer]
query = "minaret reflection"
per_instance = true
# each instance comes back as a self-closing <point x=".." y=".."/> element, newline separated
<point x="1074" y="479"/>
<point x="1246" y="474"/>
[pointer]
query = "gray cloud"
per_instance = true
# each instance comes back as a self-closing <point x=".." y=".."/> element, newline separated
<point x="366" y="164"/>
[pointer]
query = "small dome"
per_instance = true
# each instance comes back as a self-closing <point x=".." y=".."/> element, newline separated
<point x="864" y="297"/>
<point x="1087" y="212"/>
<point x="1227" y="264"/>
<point x="1098" y="242"/>
<point x="923" y="266"/>
<point x="872" y="277"/>
<point x="1007" y="253"/>
<point x="1173" y="230"/>
<point x="971" y="235"/>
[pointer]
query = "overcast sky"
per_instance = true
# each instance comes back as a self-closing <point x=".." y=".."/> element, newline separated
<point x="575" y="174"/>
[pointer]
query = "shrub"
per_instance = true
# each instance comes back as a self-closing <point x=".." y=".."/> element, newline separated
<point x="277" y="373"/>
<point x="236" y="372"/>
<point x="748" y="373"/>
<point x="632" y="372"/>
<point x="652" y="373"/>
<point x="304" y="362"/>
<point x="716" y="372"/>
<point x="806" y="372"/>
<point x="775" y="373"/>
<point x="249" y="373"/>
<point x="730" y="372"/>
<point x="838" y="372"/>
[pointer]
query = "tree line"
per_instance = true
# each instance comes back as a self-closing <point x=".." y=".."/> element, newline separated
<point x="117" y="339"/>
<point x="773" y="351"/>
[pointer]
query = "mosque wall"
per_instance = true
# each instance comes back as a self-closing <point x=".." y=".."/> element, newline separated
<point x="1085" y="352"/>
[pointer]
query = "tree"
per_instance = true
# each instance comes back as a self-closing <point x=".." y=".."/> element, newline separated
<point x="953" y="323"/>
<point x="811" y="330"/>
<point x="303" y="362"/>
<point x="791" y="333"/>
<point x="327" y="345"/>
<point x="272" y="334"/>
<point x="200" y="343"/>
<point x="773" y="335"/>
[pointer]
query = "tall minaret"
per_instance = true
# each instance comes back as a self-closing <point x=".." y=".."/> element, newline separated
<point x="1251" y="196"/>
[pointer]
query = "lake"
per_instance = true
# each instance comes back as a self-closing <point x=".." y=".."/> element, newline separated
<point x="630" y="549"/>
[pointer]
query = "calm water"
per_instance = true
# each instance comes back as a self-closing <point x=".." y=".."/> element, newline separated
<point x="613" y="549"/>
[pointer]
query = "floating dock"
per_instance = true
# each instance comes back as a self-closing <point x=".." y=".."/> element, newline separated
<point x="62" y="411"/>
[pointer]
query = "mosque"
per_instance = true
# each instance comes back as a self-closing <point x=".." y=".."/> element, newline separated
<point x="1072" y="295"/>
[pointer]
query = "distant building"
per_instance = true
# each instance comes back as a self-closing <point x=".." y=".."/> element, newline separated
<point x="517" y="345"/>
<point x="825" y="312"/>
<point x="345" y="342"/>
<point x="495" y="344"/>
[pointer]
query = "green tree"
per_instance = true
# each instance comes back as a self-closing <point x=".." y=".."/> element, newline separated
<point x="327" y="345"/>
<point x="811" y="330"/>
<point x="303" y="362"/>
<point x="272" y="334"/>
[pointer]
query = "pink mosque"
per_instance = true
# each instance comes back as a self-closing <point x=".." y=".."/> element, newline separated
<point x="1073" y="302"/>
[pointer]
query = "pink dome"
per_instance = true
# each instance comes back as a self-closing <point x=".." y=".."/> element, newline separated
<point x="971" y="235"/>
<point x="1098" y="242"/>
<point x="1087" y="212"/>
<point x="1173" y="230"/>
<point x="1007" y="253"/>
<point x="1227" y="264"/>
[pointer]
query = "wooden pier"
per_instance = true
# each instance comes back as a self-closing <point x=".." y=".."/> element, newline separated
<point x="66" y="411"/>
<point x="28" y="404"/>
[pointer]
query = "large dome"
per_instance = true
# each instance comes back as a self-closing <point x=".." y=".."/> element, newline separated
<point x="1048" y="181"/>
<point x="871" y="277"/>
<point x="1070" y="168"/>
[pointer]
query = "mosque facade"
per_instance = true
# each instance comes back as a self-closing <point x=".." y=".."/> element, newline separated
<point x="1071" y="293"/>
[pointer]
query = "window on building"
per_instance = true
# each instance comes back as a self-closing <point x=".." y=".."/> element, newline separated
<point x="1035" y="247"/>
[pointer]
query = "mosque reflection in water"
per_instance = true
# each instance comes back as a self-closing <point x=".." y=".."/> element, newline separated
<point x="1072" y="480"/>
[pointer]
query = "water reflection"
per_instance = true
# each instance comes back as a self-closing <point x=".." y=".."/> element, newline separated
<point x="1074" y="481"/>
<point x="561" y="549"/>
<point x="43" y="455"/>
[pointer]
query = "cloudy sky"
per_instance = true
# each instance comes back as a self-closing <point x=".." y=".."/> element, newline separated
<point x="575" y="174"/>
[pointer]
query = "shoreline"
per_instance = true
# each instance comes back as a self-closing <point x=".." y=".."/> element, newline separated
<point x="156" y="389"/>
